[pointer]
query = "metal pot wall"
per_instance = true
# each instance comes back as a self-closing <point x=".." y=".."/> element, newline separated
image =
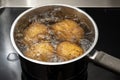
<point x="68" y="69"/>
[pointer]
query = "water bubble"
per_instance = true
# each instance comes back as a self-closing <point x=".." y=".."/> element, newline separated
<point x="12" y="57"/>
<point x="86" y="44"/>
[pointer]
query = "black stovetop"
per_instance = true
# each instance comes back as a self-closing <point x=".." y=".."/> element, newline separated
<point x="107" y="19"/>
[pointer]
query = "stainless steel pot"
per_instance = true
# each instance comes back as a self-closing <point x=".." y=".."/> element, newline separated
<point x="38" y="68"/>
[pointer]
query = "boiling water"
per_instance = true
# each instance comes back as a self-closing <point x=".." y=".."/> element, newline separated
<point x="49" y="18"/>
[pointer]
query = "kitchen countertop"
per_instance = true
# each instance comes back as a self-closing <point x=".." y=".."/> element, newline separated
<point x="108" y="23"/>
<point x="77" y="3"/>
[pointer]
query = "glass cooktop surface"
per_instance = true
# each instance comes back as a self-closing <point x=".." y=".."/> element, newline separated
<point x="107" y="20"/>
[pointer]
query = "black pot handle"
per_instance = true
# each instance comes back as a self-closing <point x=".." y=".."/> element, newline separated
<point x="105" y="60"/>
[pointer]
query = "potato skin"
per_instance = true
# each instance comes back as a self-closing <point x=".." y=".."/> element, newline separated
<point x="35" y="32"/>
<point x="58" y="41"/>
<point x="68" y="30"/>
<point x="69" y="50"/>
<point x="40" y="51"/>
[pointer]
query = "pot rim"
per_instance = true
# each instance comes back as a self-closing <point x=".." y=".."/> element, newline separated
<point x="53" y="63"/>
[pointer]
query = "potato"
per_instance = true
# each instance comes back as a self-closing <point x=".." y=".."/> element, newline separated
<point x="68" y="30"/>
<point x="40" y="51"/>
<point x="69" y="50"/>
<point x="35" y="32"/>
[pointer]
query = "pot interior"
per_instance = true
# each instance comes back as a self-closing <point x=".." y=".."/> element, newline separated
<point x="51" y="14"/>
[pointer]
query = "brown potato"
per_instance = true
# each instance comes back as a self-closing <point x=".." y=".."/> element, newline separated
<point x="44" y="43"/>
<point x="69" y="50"/>
<point x="35" y="32"/>
<point x="68" y="30"/>
<point x="40" y="51"/>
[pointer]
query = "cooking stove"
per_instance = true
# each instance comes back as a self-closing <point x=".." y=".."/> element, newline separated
<point x="107" y="20"/>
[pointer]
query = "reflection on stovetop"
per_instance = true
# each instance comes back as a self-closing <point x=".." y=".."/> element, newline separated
<point x="83" y="76"/>
<point x="108" y="23"/>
